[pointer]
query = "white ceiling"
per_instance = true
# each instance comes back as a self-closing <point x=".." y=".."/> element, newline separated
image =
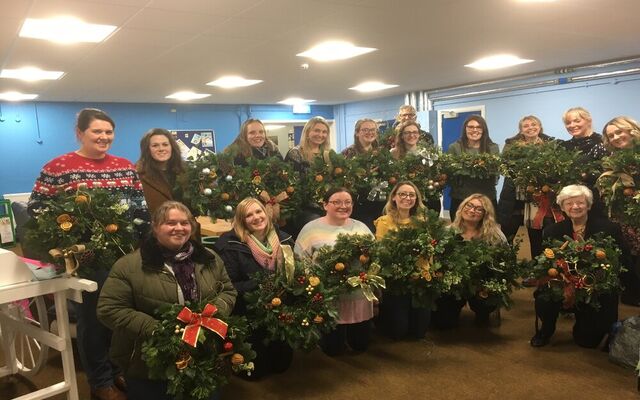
<point x="163" y="46"/>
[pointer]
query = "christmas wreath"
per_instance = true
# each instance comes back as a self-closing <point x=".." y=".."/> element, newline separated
<point x="216" y="186"/>
<point x="296" y="309"/>
<point x="541" y="170"/>
<point x="372" y="173"/>
<point x="192" y="351"/>
<point x="324" y="174"/>
<point x="346" y="266"/>
<point x="425" y="170"/>
<point x="619" y="185"/>
<point x="423" y="260"/>
<point x="83" y="231"/>
<point x="494" y="271"/>
<point x="477" y="166"/>
<point x="576" y="272"/>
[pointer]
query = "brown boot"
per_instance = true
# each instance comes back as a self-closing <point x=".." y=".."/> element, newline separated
<point x="108" y="393"/>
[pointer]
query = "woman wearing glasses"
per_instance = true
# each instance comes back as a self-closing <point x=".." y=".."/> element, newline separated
<point x="407" y="138"/>
<point x="474" y="220"/>
<point x="354" y="310"/>
<point x="591" y="325"/>
<point x="474" y="139"/>
<point x="398" y="318"/>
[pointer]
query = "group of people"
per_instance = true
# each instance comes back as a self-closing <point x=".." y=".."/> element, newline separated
<point x="172" y="266"/>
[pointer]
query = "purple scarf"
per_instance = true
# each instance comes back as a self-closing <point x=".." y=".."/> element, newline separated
<point x="184" y="270"/>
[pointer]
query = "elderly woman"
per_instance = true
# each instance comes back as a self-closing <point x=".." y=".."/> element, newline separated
<point x="474" y="220"/>
<point x="512" y="208"/>
<point x="254" y="244"/>
<point x="93" y="167"/>
<point x="159" y="167"/>
<point x="591" y="326"/>
<point x="398" y="318"/>
<point x="354" y="310"/>
<point x="474" y="139"/>
<point x="252" y="141"/>
<point x="168" y="268"/>
<point x="618" y="134"/>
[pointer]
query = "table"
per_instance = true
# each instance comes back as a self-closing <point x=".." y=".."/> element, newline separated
<point x="61" y="288"/>
<point x="208" y="228"/>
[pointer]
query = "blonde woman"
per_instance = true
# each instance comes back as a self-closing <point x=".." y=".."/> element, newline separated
<point x="474" y="220"/>
<point x="620" y="133"/>
<point x="398" y="318"/>
<point x="255" y="244"/>
<point x="407" y="139"/>
<point x="314" y="142"/>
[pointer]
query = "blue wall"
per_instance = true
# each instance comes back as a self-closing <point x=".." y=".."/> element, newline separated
<point x="29" y="142"/>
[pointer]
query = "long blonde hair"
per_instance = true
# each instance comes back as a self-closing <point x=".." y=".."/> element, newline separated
<point x="624" y="123"/>
<point x="391" y="209"/>
<point x="307" y="154"/>
<point x="239" y="224"/>
<point x="489" y="230"/>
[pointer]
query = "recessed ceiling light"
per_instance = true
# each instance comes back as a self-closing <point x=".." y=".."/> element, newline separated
<point x="291" y="101"/>
<point x="335" y="50"/>
<point x="535" y="1"/>
<point x="30" y="74"/>
<point x="65" y="30"/>
<point x="230" y="82"/>
<point x="498" y="61"/>
<point x="372" y="86"/>
<point x="186" y="95"/>
<point x="17" y="96"/>
<point x="274" y="127"/>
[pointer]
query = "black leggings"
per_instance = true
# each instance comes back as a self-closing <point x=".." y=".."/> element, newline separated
<point x="357" y="335"/>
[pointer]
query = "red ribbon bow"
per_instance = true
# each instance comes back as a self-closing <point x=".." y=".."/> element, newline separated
<point x="195" y="320"/>
<point x="545" y="205"/>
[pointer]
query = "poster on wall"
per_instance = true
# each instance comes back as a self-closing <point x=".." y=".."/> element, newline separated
<point x="193" y="142"/>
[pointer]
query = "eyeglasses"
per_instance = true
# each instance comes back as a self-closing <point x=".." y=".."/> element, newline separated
<point x="368" y="130"/>
<point x="474" y="127"/>
<point x="341" y="203"/>
<point x="471" y="207"/>
<point x="404" y="195"/>
<point x="411" y="133"/>
<point x="408" y="115"/>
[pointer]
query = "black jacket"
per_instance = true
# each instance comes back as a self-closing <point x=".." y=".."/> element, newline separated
<point x="241" y="265"/>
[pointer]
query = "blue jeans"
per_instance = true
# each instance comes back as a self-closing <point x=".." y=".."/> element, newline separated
<point x="94" y="339"/>
<point x="146" y="389"/>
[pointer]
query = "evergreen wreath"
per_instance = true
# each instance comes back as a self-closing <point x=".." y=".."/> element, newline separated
<point x="195" y="370"/>
<point x="297" y="310"/>
<point x="576" y="272"/>
<point x="477" y="166"/>
<point x="619" y="185"/>
<point x="322" y="175"/>
<point x="347" y="265"/>
<point x="425" y="170"/>
<point x="87" y="230"/>
<point x="424" y="260"/>
<point x="371" y="174"/>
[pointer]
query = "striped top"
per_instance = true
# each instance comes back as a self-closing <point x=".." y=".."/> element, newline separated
<point x="352" y="307"/>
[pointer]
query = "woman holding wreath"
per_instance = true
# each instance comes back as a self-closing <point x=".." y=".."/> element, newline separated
<point x="255" y="244"/>
<point x="91" y="166"/>
<point x="618" y="134"/>
<point x="169" y="268"/>
<point x="354" y="310"/>
<point x="512" y="206"/>
<point x="474" y="220"/>
<point x="398" y="318"/>
<point x="474" y="139"/>
<point x="591" y="325"/>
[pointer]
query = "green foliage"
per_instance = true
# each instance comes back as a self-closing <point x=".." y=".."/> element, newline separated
<point x="194" y="373"/>
<point x="321" y="176"/>
<point x="371" y="169"/>
<point x="619" y="184"/>
<point x="576" y="272"/>
<point x="545" y="167"/>
<point x="346" y="266"/>
<point x="297" y="312"/>
<point x="477" y="166"/>
<point x="96" y="218"/>
<point x="494" y="272"/>
<point x="425" y="170"/>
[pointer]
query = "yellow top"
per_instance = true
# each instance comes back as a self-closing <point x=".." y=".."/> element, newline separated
<point x="385" y="223"/>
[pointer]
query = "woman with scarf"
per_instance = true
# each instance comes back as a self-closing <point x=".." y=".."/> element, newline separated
<point x="255" y="244"/>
